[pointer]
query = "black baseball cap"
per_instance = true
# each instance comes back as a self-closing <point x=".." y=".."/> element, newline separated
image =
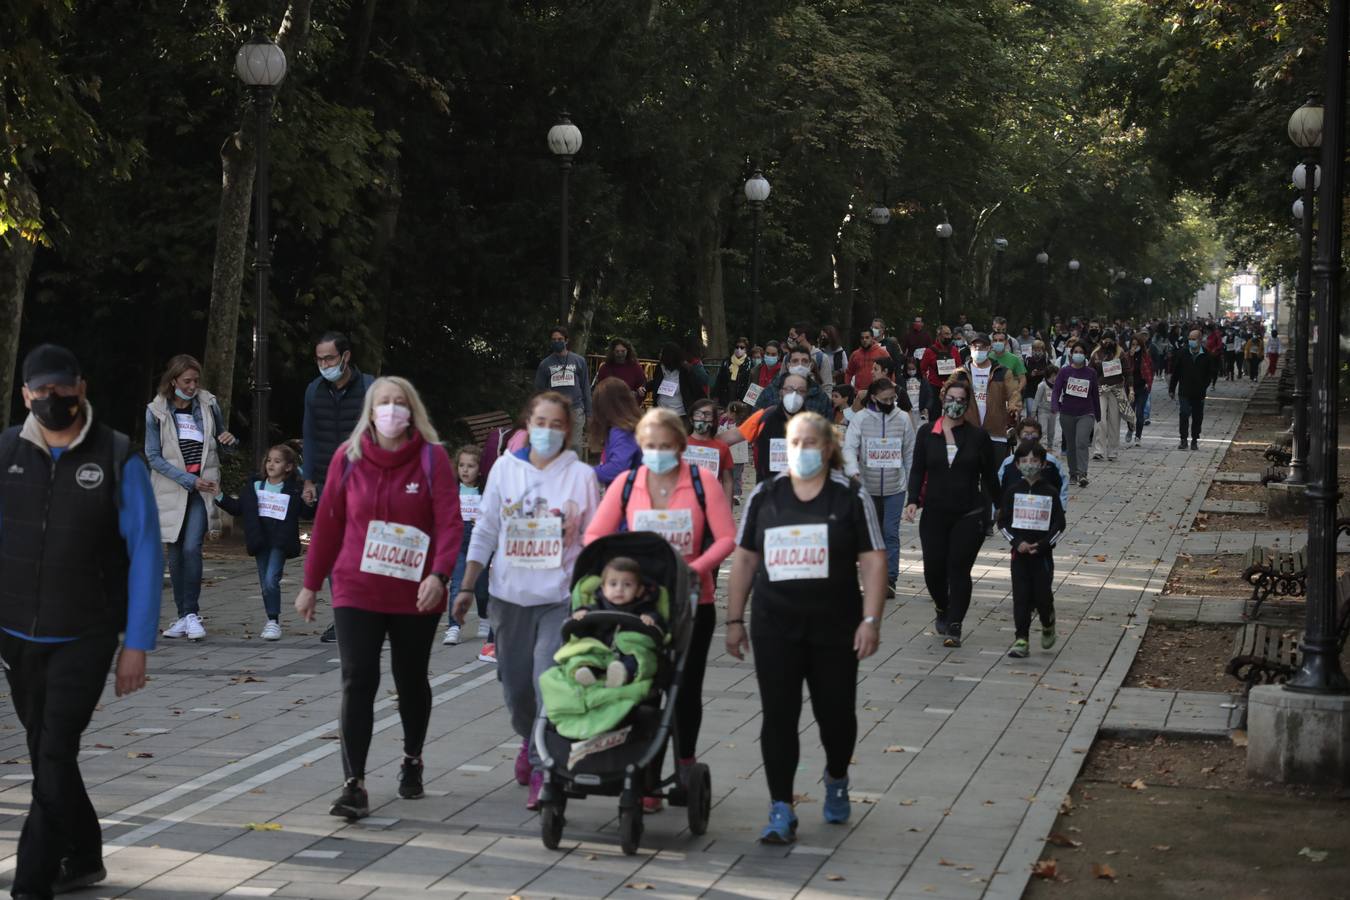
<point x="50" y="364"/>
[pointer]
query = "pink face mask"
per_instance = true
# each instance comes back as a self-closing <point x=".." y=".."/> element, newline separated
<point x="391" y="420"/>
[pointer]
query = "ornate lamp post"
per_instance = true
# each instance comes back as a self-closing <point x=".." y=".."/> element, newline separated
<point x="564" y="139"/>
<point x="944" y="236"/>
<point x="1043" y="260"/>
<point x="1000" y="247"/>
<point x="261" y="65"/>
<point x="1074" y="267"/>
<point x="1148" y="292"/>
<point x="879" y="216"/>
<point x="756" y="191"/>
<point x="1305" y="130"/>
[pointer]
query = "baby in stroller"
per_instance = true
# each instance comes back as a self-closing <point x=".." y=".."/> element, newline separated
<point x="621" y="589"/>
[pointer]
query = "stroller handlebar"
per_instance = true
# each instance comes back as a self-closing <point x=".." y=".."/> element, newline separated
<point x="607" y="617"/>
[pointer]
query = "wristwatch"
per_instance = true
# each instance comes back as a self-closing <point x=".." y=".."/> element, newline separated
<point x="445" y="579"/>
<point x="873" y="621"/>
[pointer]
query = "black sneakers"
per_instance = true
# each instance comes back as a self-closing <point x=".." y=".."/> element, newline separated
<point x="67" y="879"/>
<point x="1195" y="445"/>
<point x="329" y="635"/>
<point x="953" y="638"/>
<point x="940" y="624"/>
<point x="352" y="803"/>
<point x="410" y="779"/>
<point x="1182" y="445"/>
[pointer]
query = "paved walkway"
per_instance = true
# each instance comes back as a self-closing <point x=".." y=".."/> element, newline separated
<point x="963" y="759"/>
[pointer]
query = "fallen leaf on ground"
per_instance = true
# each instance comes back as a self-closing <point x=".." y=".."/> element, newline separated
<point x="103" y="746"/>
<point x="245" y="679"/>
<point x="946" y="862"/>
<point x="1101" y="870"/>
<point x="894" y="748"/>
<point x="1162" y="848"/>
<point x="1137" y="785"/>
<point x="263" y="826"/>
<point x="1100" y="558"/>
<point x="833" y="877"/>
<point x="1239" y="737"/>
<point x="1213" y="571"/>
<point x="140" y="754"/>
<point x="1313" y="855"/>
<point x="1066" y="806"/>
<point x="641" y="885"/>
<point x="591" y="856"/>
<point x="1045" y="868"/>
<point x="1063" y="840"/>
<point x="803" y="798"/>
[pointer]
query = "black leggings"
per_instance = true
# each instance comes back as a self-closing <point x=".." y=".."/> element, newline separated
<point x="689" y="706"/>
<point x="789" y="650"/>
<point x="360" y="638"/>
<point x="1032" y="575"/>
<point x="951" y="541"/>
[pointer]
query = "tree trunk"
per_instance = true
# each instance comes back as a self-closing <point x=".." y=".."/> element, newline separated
<point x="16" y="263"/>
<point x="236" y="193"/>
<point x="585" y="289"/>
<point x="708" y="287"/>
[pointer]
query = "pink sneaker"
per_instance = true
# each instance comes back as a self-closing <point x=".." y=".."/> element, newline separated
<point x="536" y="782"/>
<point x="523" y="767"/>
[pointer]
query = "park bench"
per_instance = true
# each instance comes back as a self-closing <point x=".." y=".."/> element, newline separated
<point x="1275" y="572"/>
<point x="481" y="425"/>
<point x="1264" y="654"/>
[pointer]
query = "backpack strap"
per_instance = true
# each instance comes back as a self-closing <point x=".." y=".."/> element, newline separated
<point x="623" y="498"/>
<point x="697" y="479"/>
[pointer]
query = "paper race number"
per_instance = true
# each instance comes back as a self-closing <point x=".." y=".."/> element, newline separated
<point x="1110" y="368"/>
<point x="752" y="394"/>
<point x="669" y="388"/>
<point x="777" y="454"/>
<point x="1032" y="511"/>
<point x="797" y="552"/>
<point x="470" y="507"/>
<point x="946" y="366"/>
<point x="740" y="453"/>
<point x="534" y="543"/>
<point x="675" y="525"/>
<point x="884" y="453"/>
<point x="706" y="458"/>
<point x="398" y="551"/>
<point x="564" y="376"/>
<point x="1077" y="387"/>
<point x="273" y="505"/>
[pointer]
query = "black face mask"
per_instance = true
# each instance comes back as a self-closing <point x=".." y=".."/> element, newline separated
<point x="56" y="413"/>
<point x="884" y="408"/>
<point x="1094" y="334"/>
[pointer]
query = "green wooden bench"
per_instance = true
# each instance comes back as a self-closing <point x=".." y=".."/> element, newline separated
<point x="1275" y="572"/>
<point x="1263" y="654"/>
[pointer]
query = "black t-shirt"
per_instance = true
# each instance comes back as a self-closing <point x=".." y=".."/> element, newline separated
<point x="808" y="551"/>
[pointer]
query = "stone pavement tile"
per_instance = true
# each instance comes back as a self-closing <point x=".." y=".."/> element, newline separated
<point x="315" y="891"/>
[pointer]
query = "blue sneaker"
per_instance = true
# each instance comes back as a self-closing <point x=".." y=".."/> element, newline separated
<point x="782" y="827"/>
<point x="837" y="807"/>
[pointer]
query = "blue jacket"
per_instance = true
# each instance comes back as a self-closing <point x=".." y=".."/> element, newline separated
<point x="817" y="400"/>
<point x="262" y="533"/>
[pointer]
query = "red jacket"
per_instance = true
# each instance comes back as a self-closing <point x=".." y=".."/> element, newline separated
<point x="388" y="486"/>
<point x="860" y="361"/>
<point x="928" y="365"/>
<point x="1144" y="366"/>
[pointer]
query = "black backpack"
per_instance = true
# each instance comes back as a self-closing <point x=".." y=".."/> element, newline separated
<point x="698" y="492"/>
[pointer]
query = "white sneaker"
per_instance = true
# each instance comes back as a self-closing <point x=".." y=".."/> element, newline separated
<point x="451" y="636"/>
<point x="484" y="629"/>
<point x="615" y="674"/>
<point x="271" y="631"/>
<point x="177" y="629"/>
<point x="193" y="625"/>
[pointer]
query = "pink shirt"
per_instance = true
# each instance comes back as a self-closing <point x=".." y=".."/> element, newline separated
<point x="606" y="520"/>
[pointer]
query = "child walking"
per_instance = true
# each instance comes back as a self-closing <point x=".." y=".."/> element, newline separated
<point x="270" y="510"/>
<point x="736" y="413"/>
<point x="1031" y="517"/>
<point x="1044" y="415"/>
<point x="469" y="467"/>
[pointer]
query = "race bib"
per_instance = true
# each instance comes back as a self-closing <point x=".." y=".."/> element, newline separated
<point x="918" y="354"/>
<point x="946" y="366"/>
<point x="564" y="376"/>
<point x="706" y="458"/>
<point x="188" y="429"/>
<point x="777" y="454"/>
<point x="1110" y="368"/>
<point x="669" y="388"/>
<point x="797" y="552"/>
<point x="470" y="507"/>
<point x="675" y="525"/>
<point x="913" y="397"/>
<point x="752" y="394"/>
<point x="534" y="543"/>
<point x="1032" y="511"/>
<point x="398" y="551"/>
<point x="1077" y="387"/>
<point x="273" y="505"/>
<point x="740" y="453"/>
<point x="884" y="453"/>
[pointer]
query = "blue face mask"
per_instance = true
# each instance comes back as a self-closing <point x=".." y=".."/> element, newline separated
<point x="770" y="359"/>
<point x="1079" y="359"/>
<point x="332" y="373"/>
<point x="558" y="346"/>
<point x="998" y="346"/>
<point x="660" y="461"/>
<point x="182" y="396"/>
<point x="804" y="462"/>
<point x="546" y="441"/>
<point x="1193" y="344"/>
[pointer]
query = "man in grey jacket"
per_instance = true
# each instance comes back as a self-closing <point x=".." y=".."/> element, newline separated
<point x="878" y="450"/>
<point x="566" y="373"/>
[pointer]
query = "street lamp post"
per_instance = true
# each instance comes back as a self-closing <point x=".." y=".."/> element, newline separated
<point x="1148" y="292"/>
<point x="1305" y="130"/>
<point x="880" y="216"/>
<point x="1074" y="267"/>
<point x="1320" y="670"/>
<point x="261" y="65"/>
<point x="564" y="140"/>
<point x="1043" y="260"/>
<point x="1000" y="247"/>
<point x="944" y="236"/>
<point x="756" y="191"/>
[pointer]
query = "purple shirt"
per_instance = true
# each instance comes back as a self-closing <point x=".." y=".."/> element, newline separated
<point x="1075" y="392"/>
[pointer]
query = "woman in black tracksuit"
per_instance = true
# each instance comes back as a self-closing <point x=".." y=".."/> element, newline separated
<point x="955" y="479"/>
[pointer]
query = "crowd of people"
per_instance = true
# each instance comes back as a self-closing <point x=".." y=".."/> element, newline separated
<point x="965" y="430"/>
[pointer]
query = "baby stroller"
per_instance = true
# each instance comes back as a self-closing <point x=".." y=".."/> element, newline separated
<point x="626" y="762"/>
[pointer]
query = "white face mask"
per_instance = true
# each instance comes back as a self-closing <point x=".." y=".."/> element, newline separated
<point x="803" y="371"/>
<point x="981" y="356"/>
<point x="792" y="403"/>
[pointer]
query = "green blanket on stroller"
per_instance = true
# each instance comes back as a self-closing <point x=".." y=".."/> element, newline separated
<point x="580" y="712"/>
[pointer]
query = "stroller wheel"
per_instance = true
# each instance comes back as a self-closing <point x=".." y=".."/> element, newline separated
<point x="630" y="828"/>
<point x="551" y="821"/>
<point x="700" y="797"/>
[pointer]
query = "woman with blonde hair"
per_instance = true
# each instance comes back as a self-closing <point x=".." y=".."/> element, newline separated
<point x="536" y="503"/>
<point x="388" y="532"/>
<point x="805" y="536"/>
<point x="185" y="435"/>
<point x="689" y="509"/>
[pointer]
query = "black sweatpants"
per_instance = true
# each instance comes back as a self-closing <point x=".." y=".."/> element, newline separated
<point x="55" y="688"/>
<point x="790" y="650"/>
<point x="360" y="638"/>
<point x="1190" y="415"/>
<point x="951" y="541"/>
<point x="1032" y="575"/>
<point x="689" y="705"/>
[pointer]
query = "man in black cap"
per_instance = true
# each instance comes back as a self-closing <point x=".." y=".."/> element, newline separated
<point x="80" y="562"/>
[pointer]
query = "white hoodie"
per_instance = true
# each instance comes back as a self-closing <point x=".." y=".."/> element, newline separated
<point x="522" y="506"/>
